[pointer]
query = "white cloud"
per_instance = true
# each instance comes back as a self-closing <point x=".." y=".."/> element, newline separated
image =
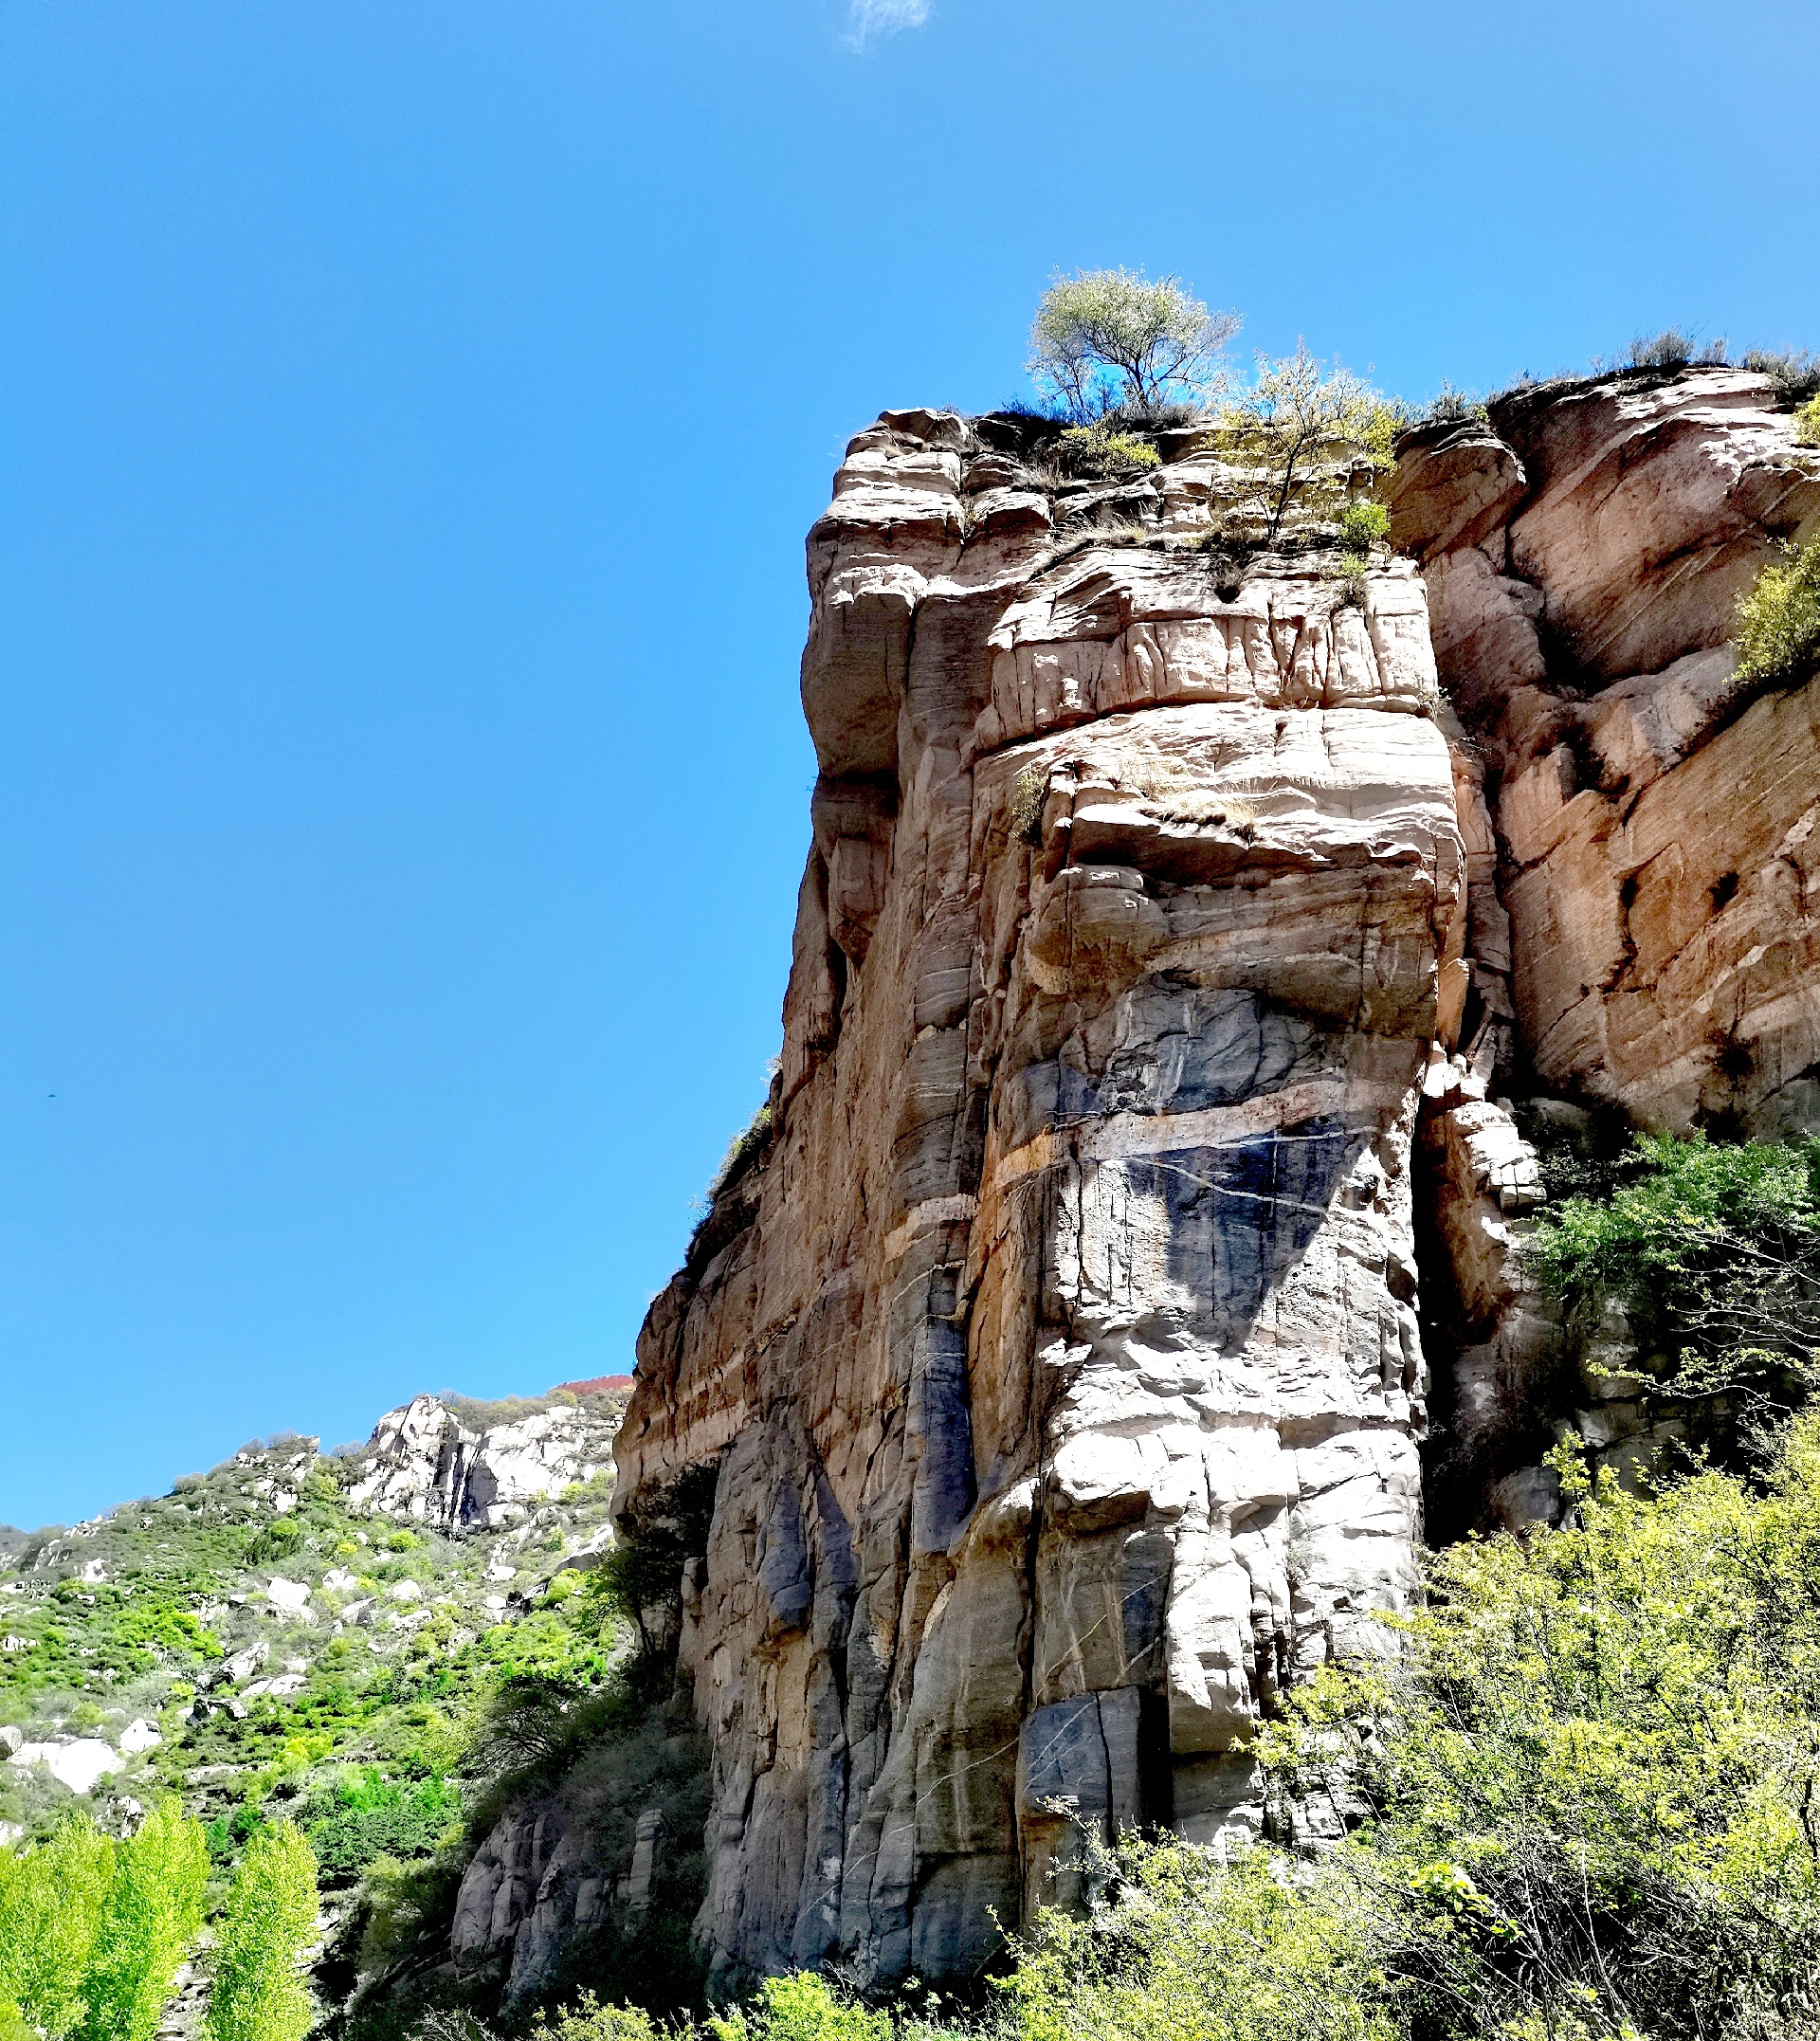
<point x="866" y="20"/>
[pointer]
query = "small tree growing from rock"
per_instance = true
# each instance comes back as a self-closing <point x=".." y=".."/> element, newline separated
<point x="1110" y="339"/>
<point x="1308" y="429"/>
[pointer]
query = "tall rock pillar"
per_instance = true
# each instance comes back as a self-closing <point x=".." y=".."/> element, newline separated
<point x="1057" y="1347"/>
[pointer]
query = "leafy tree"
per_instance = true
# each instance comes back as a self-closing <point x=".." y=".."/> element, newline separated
<point x="1307" y="429"/>
<point x="1590" y="1793"/>
<point x="1106" y="338"/>
<point x="270" y="1920"/>
<point x="150" y="1917"/>
<point x="50" y="1907"/>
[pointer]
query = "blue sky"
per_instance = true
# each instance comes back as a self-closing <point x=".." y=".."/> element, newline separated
<point x="410" y="411"/>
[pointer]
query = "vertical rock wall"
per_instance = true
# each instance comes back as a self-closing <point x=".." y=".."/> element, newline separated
<point x="1058" y="1348"/>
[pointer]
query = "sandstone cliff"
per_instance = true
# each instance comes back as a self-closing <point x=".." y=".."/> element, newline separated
<point x="1170" y="961"/>
<point x="1058" y="1354"/>
<point x="1640" y="828"/>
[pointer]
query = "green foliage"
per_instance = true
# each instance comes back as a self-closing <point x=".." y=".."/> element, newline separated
<point x="1362" y="525"/>
<point x="1102" y="453"/>
<point x="746" y="1148"/>
<point x="92" y="1930"/>
<point x="1796" y="372"/>
<point x="1194" y="1950"/>
<point x="1670" y="349"/>
<point x="1590" y="1786"/>
<point x="1713" y="1251"/>
<point x="1807" y="424"/>
<point x="270" y="1920"/>
<point x="1778" y="618"/>
<point x="362" y="1816"/>
<point x="588" y="2020"/>
<point x="1106" y="338"/>
<point x="1025" y="817"/>
<point x="1451" y="406"/>
<point x="51" y="1909"/>
<point x="150" y="1917"/>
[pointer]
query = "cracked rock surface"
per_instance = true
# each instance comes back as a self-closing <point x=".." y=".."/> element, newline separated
<point x="1057" y="1351"/>
<point x="1171" y="957"/>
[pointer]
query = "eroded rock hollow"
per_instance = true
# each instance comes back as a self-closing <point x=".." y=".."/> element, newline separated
<point x="1165" y="941"/>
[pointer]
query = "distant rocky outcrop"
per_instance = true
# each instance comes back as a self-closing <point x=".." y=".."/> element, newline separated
<point x="1177" y="971"/>
<point x="423" y="1463"/>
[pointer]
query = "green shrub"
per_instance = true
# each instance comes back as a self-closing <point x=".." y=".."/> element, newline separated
<point x="51" y="1909"/>
<point x="1714" y="1252"/>
<point x="1362" y="525"/>
<point x="92" y="1930"/>
<point x="1588" y="1790"/>
<point x="149" y="1920"/>
<point x="363" y="1816"/>
<point x="1195" y="1950"/>
<point x="1670" y="349"/>
<point x="1807" y="424"/>
<point x="1795" y="370"/>
<point x="746" y="1148"/>
<point x="1099" y="453"/>
<point x="1451" y="406"/>
<point x="1778" y="619"/>
<point x="588" y="2020"/>
<point x="1306" y="429"/>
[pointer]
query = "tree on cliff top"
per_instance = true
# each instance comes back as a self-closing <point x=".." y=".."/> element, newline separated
<point x="1106" y="338"/>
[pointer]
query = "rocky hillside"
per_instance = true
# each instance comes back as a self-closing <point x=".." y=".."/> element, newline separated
<point x="1196" y="943"/>
<point x="312" y="1636"/>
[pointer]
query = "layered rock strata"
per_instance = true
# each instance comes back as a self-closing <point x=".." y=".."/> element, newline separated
<point x="1643" y="834"/>
<point x="1058" y="1350"/>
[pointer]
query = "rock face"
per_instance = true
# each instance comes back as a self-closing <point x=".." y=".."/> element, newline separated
<point x="1059" y="1354"/>
<point x="1171" y="960"/>
<point x="1640" y="832"/>
<point x="423" y="1464"/>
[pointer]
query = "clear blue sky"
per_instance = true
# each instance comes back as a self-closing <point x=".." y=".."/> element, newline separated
<point x="410" y="411"/>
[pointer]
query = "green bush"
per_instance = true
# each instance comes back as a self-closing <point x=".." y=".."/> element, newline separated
<point x="259" y="1993"/>
<point x="588" y="2020"/>
<point x="1362" y="525"/>
<point x="1195" y="1950"/>
<point x="1670" y="349"/>
<point x="1714" y="1252"/>
<point x="1107" y="338"/>
<point x="50" y="1907"/>
<point x="150" y="1917"/>
<point x="1306" y="429"/>
<point x="363" y="1816"/>
<point x="1807" y="424"/>
<point x="1587" y="1791"/>
<point x="92" y="1930"/>
<point x="1099" y="453"/>
<point x="1778" y="619"/>
<point x="1796" y="372"/>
